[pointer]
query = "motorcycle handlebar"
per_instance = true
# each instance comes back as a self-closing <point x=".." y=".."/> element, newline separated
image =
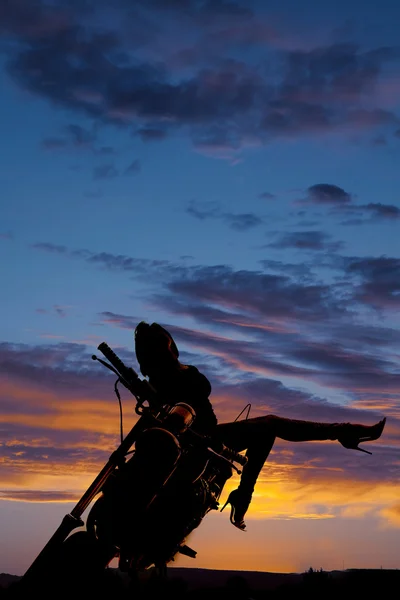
<point x="138" y="387"/>
<point x="117" y="362"/>
<point x="233" y="455"/>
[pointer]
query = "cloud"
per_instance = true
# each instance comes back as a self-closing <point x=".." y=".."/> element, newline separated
<point x="38" y="496"/>
<point x="212" y="210"/>
<point x="55" y="401"/>
<point x="109" y="171"/>
<point x="27" y="360"/>
<point x="60" y="311"/>
<point x="379" y="285"/>
<point x="122" y="321"/>
<point x="32" y="21"/>
<point x="327" y="193"/>
<point x="204" y="210"/>
<point x="273" y="380"/>
<point x="304" y="327"/>
<point x="306" y="240"/>
<point x="357" y="369"/>
<point x="66" y="442"/>
<point x="266" y="196"/>
<point x="263" y="295"/>
<point x="106" y="260"/>
<point x="371" y="213"/>
<point x="295" y="294"/>
<point x="74" y="136"/>
<point x="157" y="81"/>
<point x="192" y="9"/>
<point x="275" y="295"/>
<point x="301" y="270"/>
<point x="379" y="210"/>
<point x="81" y="136"/>
<point x="243" y="221"/>
<point x="57" y="418"/>
<point x="53" y="248"/>
<point x="339" y="202"/>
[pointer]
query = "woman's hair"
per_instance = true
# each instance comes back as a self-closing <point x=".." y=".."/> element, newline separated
<point x="154" y="346"/>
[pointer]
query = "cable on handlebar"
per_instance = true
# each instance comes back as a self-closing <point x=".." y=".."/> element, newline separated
<point x="94" y="357"/>
<point x="121" y="427"/>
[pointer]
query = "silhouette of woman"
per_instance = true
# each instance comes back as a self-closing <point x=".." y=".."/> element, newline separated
<point x="158" y="358"/>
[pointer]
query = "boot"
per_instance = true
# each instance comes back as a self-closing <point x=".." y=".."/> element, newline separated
<point x="350" y="435"/>
<point x="239" y="500"/>
<point x="347" y="434"/>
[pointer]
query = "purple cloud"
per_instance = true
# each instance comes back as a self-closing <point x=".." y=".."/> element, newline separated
<point x="384" y="211"/>
<point x="195" y="84"/>
<point x="60" y="311"/>
<point x="327" y="193"/>
<point x="265" y="294"/>
<point x="212" y="210"/>
<point x="80" y="136"/>
<point x="267" y="196"/>
<point x="341" y="203"/>
<point x="77" y="137"/>
<point x="380" y="281"/>
<point x="306" y="240"/>
<point x="53" y="248"/>
<point x="44" y="448"/>
<point x="243" y="221"/>
<point x="204" y="210"/>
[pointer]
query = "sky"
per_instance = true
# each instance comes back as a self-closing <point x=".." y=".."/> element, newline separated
<point x="229" y="170"/>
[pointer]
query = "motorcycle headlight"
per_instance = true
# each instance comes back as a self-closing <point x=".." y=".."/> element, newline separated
<point x="180" y="417"/>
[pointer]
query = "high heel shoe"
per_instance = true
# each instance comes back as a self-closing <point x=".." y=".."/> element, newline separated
<point x="355" y="434"/>
<point x="240" y="502"/>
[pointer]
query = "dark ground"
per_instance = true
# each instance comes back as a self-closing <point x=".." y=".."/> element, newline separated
<point x="208" y="584"/>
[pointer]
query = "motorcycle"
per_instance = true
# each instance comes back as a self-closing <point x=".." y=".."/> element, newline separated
<point x="153" y="492"/>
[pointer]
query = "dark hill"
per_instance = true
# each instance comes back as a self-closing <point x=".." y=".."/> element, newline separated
<point x="213" y="584"/>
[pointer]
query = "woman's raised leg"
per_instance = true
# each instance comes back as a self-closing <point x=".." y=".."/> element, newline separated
<point x="257" y="437"/>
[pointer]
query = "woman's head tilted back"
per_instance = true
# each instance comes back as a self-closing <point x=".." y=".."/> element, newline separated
<point x="155" y="348"/>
